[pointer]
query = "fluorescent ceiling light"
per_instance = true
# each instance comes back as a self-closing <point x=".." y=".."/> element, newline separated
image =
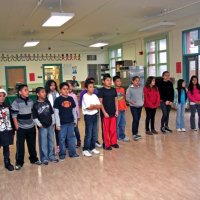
<point x="58" y="19"/>
<point x="99" y="44"/>
<point x="158" y="25"/>
<point x="31" y="43"/>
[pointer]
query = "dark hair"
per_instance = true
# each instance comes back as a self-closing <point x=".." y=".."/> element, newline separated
<point x="179" y="88"/>
<point x="191" y="85"/>
<point x="165" y="72"/>
<point x="105" y="76"/>
<point x="149" y="81"/>
<point x="88" y="82"/>
<point x="64" y="84"/>
<point x="48" y="85"/>
<point x="21" y="87"/>
<point x="90" y="79"/>
<point x="116" y="77"/>
<point x="135" y="77"/>
<point x="38" y="90"/>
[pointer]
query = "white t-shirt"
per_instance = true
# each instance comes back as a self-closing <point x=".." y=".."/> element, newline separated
<point x="87" y="101"/>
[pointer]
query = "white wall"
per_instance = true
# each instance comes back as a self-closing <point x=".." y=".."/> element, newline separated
<point x="36" y="67"/>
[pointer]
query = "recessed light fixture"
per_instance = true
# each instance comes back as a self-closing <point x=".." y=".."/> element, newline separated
<point x="31" y="43"/>
<point x="57" y="19"/>
<point x="99" y="44"/>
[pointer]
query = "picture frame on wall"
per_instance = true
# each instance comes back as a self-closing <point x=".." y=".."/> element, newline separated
<point x="74" y="69"/>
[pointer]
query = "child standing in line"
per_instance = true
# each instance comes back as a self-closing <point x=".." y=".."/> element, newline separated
<point x="25" y="126"/>
<point x="180" y="101"/>
<point x="109" y="113"/>
<point x="76" y="130"/>
<point x="194" y="98"/>
<point x="151" y="103"/>
<point x="121" y="119"/>
<point x="166" y="91"/>
<point x="66" y="119"/>
<point x="134" y="96"/>
<point x="6" y="130"/>
<point x="52" y="93"/>
<point x="43" y="116"/>
<point x="90" y="107"/>
<point x="84" y="91"/>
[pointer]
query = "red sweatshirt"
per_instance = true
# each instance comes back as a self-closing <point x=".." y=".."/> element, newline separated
<point x="195" y="96"/>
<point x="151" y="97"/>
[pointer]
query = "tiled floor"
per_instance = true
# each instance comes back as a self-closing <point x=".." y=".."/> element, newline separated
<point x="159" y="167"/>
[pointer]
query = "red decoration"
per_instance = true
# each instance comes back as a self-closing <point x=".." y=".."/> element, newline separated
<point x="178" y="67"/>
<point x="32" y="76"/>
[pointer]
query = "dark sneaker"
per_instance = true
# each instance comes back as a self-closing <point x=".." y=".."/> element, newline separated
<point x="116" y="146"/>
<point x="75" y="156"/>
<point x="9" y="167"/>
<point x="163" y="130"/>
<point x="38" y="162"/>
<point x="18" y="167"/>
<point x="154" y="132"/>
<point x="149" y="133"/>
<point x="108" y="148"/>
<point x="62" y="158"/>
<point x="55" y="160"/>
<point x="45" y="162"/>
<point x="168" y="129"/>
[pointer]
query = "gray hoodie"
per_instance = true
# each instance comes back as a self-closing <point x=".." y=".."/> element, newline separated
<point x="135" y="94"/>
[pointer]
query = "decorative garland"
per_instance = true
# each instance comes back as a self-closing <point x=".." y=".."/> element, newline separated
<point x="39" y="57"/>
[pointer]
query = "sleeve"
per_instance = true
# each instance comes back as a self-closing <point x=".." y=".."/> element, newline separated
<point x="85" y="103"/>
<point x="37" y="122"/>
<point x="191" y="97"/>
<point x="57" y="117"/>
<point x="172" y="90"/>
<point x="81" y="97"/>
<point x="115" y="92"/>
<point x="128" y="97"/>
<point x="75" y="115"/>
<point x="97" y="100"/>
<point x="100" y="93"/>
<point x="56" y="103"/>
<point x="34" y="112"/>
<point x="176" y="97"/>
<point x="77" y="106"/>
<point x="73" y="103"/>
<point x="51" y="109"/>
<point x="158" y="98"/>
<point x="14" y="109"/>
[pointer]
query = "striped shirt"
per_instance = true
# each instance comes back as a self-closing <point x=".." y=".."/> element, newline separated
<point x="22" y="110"/>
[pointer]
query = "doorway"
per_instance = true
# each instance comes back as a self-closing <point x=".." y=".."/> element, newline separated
<point x="52" y="72"/>
<point x="93" y="72"/>
<point x="15" y="75"/>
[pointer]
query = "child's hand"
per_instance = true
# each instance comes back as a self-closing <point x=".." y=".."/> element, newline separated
<point x="106" y="115"/>
<point x="170" y="103"/>
<point x="133" y="102"/>
<point x="17" y="127"/>
<point x="75" y="124"/>
<point x="116" y="114"/>
<point x="58" y="128"/>
<point x="167" y="103"/>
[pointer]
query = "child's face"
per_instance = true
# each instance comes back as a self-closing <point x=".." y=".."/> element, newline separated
<point x="65" y="90"/>
<point x="194" y="81"/>
<point x="107" y="82"/>
<point x="24" y="92"/>
<point x="183" y="84"/>
<point x="166" y="77"/>
<point x="42" y="94"/>
<point x="2" y="97"/>
<point x="52" y="86"/>
<point x="136" y="82"/>
<point x="90" y="88"/>
<point x="153" y="82"/>
<point x="118" y="83"/>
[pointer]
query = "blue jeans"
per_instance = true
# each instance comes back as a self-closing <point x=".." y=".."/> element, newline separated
<point x="193" y="109"/>
<point x="90" y="132"/>
<point x="136" y="114"/>
<point x="121" y="124"/>
<point x="46" y="143"/>
<point x="67" y="131"/>
<point x="165" y="114"/>
<point x="180" y="119"/>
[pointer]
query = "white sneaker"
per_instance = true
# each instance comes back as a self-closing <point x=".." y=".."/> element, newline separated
<point x="126" y="139"/>
<point x="178" y="130"/>
<point x="183" y="130"/>
<point x="87" y="153"/>
<point x="94" y="151"/>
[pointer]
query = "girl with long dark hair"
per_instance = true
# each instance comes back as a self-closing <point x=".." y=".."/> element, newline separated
<point x="180" y="104"/>
<point x="194" y="98"/>
<point x="151" y="103"/>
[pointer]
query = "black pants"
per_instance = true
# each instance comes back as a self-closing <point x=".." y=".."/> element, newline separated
<point x="150" y="116"/>
<point x="165" y="117"/>
<point x="136" y="114"/>
<point x="57" y="137"/>
<point x="30" y="136"/>
<point x="6" y="154"/>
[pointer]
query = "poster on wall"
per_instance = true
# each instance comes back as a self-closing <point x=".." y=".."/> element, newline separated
<point x="178" y="67"/>
<point x="74" y="69"/>
<point x="32" y="77"/>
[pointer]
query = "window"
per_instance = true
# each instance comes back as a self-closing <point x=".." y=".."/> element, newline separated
<point x="156" y="56"/>
<point x="115" y="54"/>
